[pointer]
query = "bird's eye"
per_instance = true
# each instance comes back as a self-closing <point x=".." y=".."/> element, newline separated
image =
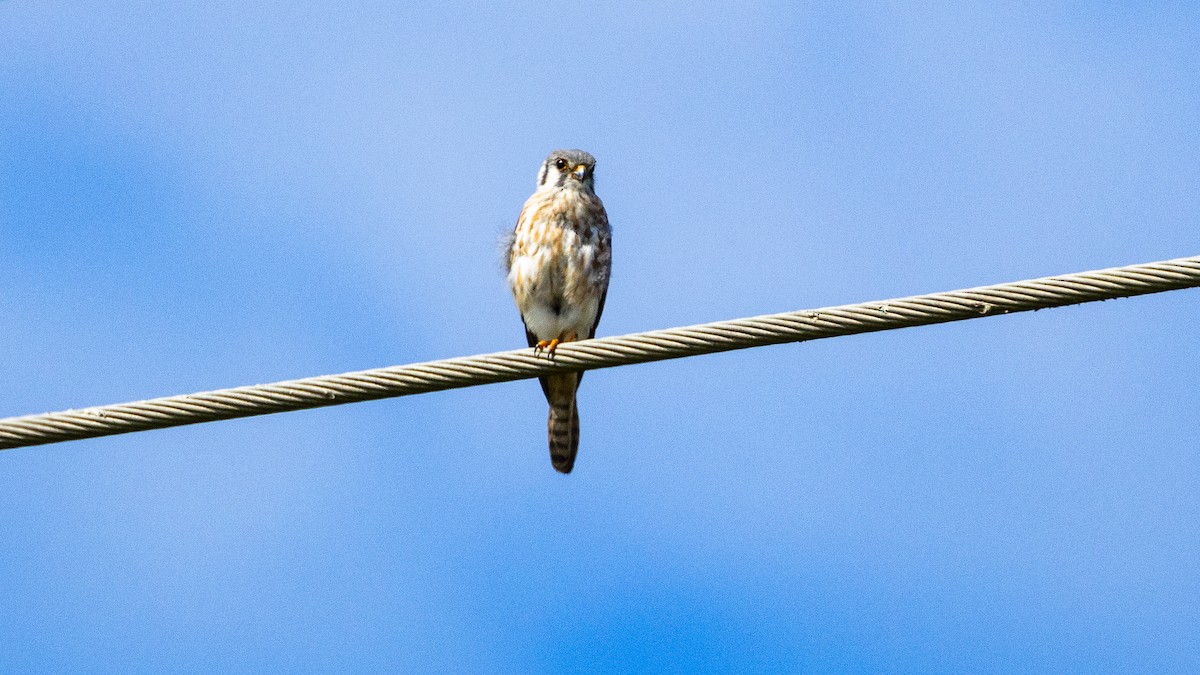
<point x="560" y="164"/>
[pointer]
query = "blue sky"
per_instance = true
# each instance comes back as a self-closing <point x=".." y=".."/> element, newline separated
<point x="201" y="197"/>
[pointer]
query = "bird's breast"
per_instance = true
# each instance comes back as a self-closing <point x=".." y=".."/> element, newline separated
<point x="559" y="261"/>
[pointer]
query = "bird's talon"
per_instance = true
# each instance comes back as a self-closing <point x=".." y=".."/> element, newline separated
<point x="547" y="346"/>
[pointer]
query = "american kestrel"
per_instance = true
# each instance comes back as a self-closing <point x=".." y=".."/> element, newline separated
<point x="559" y="261"/>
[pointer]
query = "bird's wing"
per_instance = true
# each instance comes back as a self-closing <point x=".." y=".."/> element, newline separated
<point x="532" y="340"/>
<point x="599" y="311"/>
<point x="592" y="333"/>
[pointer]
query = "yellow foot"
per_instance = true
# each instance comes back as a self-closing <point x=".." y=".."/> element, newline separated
<point x="547" y="346"/>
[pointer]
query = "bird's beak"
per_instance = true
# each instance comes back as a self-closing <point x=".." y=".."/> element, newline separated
<point x="579" y="171"/>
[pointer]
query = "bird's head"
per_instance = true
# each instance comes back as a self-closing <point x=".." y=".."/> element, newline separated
<point x="567" y="169"/>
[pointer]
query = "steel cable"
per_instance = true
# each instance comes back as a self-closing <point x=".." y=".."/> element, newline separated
<point x="314" y="392"/>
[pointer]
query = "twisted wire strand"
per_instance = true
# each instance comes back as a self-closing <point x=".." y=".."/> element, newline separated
<point x="622" y="350"/>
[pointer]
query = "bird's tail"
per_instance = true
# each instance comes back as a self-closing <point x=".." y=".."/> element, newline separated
<point x="563" y="425"/>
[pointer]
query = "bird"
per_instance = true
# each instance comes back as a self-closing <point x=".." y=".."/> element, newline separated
<point x="559" y="262"/>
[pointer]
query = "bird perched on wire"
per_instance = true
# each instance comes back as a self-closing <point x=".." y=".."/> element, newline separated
<point x="559" y="261"/>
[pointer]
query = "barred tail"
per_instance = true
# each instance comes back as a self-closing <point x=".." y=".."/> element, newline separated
<point x="563" y="425"/>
